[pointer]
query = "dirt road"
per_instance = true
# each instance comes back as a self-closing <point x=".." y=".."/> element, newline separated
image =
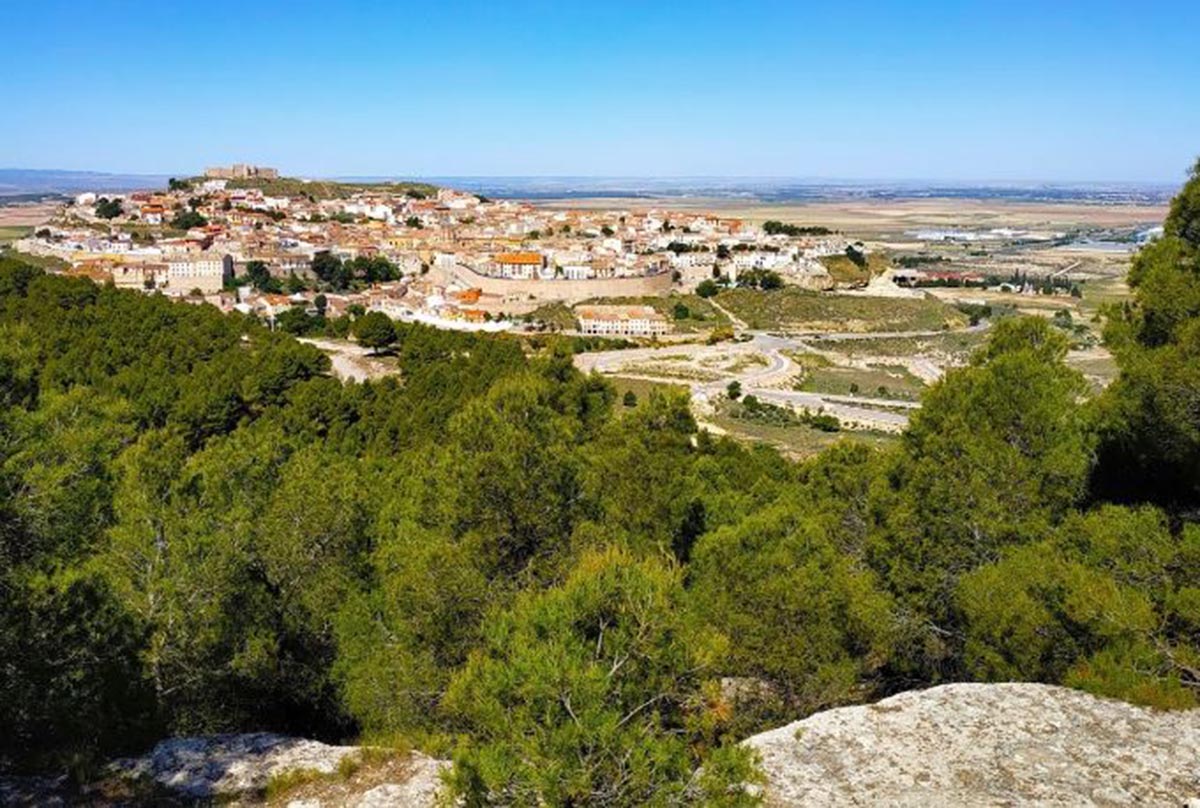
<point x="352" y="362"/>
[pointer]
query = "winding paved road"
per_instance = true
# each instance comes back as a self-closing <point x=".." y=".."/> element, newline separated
<point x="767" y="382"/>
<point x="762" y="381"/>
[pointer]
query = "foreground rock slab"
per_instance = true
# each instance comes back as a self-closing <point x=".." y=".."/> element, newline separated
<point x="229" y="765"/>
<point x="977" y="745"/>
<point x="236" y="769"/>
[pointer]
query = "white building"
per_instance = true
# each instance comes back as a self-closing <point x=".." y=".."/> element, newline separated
<point x="142" y="277"/>
<point x="578" y="272"/>
<point x="377" y="211"/>
<point x="621" y="321"/>
<point x="523" y="265"/>
<point x="204" y="271"/>
<point x="693" y="260"/>
<point x="779" y="261"/>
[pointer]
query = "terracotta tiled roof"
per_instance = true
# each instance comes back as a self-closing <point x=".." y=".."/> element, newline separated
<point x="618" y="313"/>
<point x="521" y="258"/>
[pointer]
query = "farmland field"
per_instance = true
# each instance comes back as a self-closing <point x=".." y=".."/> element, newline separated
<point x="9" y="234"/>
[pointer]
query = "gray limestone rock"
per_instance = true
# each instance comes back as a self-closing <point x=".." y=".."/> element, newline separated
<point x="985" y="744"/>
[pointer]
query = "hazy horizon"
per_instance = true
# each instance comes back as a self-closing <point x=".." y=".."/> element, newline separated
<point x="659" y="178"/>
<point x="34" y="183"/>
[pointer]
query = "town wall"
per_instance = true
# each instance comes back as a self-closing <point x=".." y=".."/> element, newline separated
<point x="561" y="289"/>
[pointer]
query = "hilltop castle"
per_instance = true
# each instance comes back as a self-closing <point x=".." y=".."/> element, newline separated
<point x="241" y="171"/>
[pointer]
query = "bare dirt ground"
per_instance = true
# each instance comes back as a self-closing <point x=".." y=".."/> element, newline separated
<point x="893" y="216"/>
<point x="352" y="362"/>
<point x="26" y="215"/>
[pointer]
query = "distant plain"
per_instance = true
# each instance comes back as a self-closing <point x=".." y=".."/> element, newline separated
<point x="895" y="216"/>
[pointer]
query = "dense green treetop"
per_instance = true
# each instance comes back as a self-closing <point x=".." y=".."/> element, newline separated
<point x="594" y="692"/>
<point x="374" y="330"/>
<point x="1149" y="418"/>
<point x="1183" y="221"/>
<point x="187" y="219"/>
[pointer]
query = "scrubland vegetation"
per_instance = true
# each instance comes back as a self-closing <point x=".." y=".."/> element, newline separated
<point x="326" y="189"/>
<point x="793" y="309"/>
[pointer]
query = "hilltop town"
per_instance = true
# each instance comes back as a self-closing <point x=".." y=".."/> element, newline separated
<point x="242" y="238"/>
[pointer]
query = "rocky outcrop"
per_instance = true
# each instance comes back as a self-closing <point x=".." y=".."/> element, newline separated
<point x="961" y="745"/>
<point x="976" y="745"/>
<point x="229" y="765"/>
<point x="238" y="769"/>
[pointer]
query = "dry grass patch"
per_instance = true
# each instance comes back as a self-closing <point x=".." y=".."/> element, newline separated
<point x="792" y="309"/>
<point x="796" y="441"/>
<point x="876" y="381"/>
<point x="355" y="774"/>
<point x="953" y="345"/>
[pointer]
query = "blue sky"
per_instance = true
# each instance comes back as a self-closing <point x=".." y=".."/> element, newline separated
<point x="1050" y="90"/>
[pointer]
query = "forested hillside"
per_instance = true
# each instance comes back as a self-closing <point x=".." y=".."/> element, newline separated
<point x="200" y="530"/>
